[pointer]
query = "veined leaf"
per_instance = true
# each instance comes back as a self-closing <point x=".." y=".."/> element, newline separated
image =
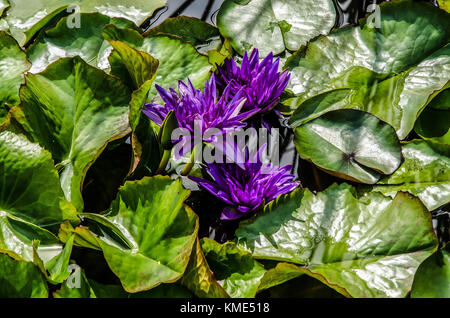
<point x="350" y="144"/>
<point x="73" y="110"/>
<point x="25" y="18"/>
<point x="159" y="231"/>
<point x="85" y="41"/>
<point x="393" y="69"/>
<point x="425" y="173"/>
<point x="274" y="25"/>
<point x="367" y="246"/>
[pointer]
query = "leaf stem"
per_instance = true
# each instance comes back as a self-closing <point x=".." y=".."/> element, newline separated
<point x="164" y="160"/>
<point x="189" y="165"/>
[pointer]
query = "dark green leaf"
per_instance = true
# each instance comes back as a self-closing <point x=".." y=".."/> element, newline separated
<point x="73" y="110"/>
<point x="432" y="279"/>
<point x="238" y="273"/>
<point x="20" y="279"/>
<point x="200" y="34"/>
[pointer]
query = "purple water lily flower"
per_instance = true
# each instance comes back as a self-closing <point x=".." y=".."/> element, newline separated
<point x="246" y="186"/>
<point x="261" y="83"/>
<point x="199" y="110"/>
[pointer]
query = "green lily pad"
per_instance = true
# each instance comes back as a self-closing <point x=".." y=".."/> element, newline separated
<point x="30" y="188"/>
<point x="434" y="122"/>
<point x="159" y="228"/>
<point x="274" y="25"/>
<point x="199" y="278"/>
<point x="203" y="36"/>
<point x="278" y="275"/>
<point x="73" y="110"/>
<point x="85" y="41"/>
<point x="425" y="173"/>
<point x="92" y="289"/>
<point x="25" y="18"/>
<point x="236" y="270"/>
<point x="139" y="69"/>
<point x="392" y="70"/>
<point x="13" y="65"/>
<point x="350" y="144"/>
<point x="178" y="60"/>
<point x="19" y="279"/>
<point x="361" y="246"/>
<point x="432" y="279"/>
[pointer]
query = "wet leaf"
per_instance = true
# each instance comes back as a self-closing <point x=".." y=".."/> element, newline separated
<point x="73" y="110"/>
<point x="425" y="173"/>
<point x="391" y="70"/>
<point x="350" y="144"/>
<point x="361" y="246"/>
<point x="274" y="25"/>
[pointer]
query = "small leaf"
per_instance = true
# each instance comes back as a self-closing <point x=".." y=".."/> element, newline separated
<point x="350" y="144"/>
<point x="203" y="36"/>
<point x="199" y="278"/>
<point x="237" y="272"/>
<point x="73" y="110"/>
<point x="20" y="279"/>
<point x="432" y="279"/>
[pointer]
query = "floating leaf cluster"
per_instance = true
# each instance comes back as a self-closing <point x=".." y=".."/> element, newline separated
<point x="91" y="185"/>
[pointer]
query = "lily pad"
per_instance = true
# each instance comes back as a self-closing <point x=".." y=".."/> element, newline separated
<point x="236" y="270"/>
<point x="13" y="65"/>
<point x="361" y="246"/>
<point x="350" y="144"/>
<point x="274" y="25"/>
<point x="30" y="188"/>
<point x="393" y="69"/>
<point x="19" y="279"/>
<point x="25" y="18"/>
<point x="203" y="36"/>
<point x="73" y="110"/>
<point x="199" y="278"/>
<point x="434" y="121"/>
<point x="178" y="60"/>
<point x="159" y="228"/>
<point x="432" y="279"/>
<point x="425" y="173"/>
<point x="85" y="41"/>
